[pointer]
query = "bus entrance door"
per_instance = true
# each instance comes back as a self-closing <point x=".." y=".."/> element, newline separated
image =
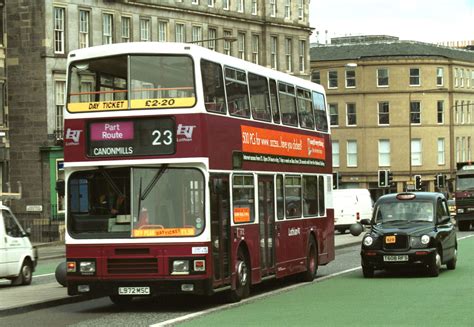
<point x="220" y="228"/>
<point x="266" y="210"/>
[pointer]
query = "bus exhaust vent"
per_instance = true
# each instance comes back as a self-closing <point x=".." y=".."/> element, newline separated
<point x="132" y="266"/>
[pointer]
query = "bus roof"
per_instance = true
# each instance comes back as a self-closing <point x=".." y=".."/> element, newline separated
<point x="186" y="48"/>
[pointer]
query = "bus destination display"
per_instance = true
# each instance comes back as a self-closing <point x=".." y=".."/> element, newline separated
<point x="138" y="137"/>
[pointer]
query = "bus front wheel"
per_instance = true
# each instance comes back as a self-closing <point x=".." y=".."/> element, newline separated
<point x="242" y="283"/>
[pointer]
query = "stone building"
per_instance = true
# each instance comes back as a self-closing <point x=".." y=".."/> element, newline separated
<point x="402" y="106"/>
<point x="41" y="33"/>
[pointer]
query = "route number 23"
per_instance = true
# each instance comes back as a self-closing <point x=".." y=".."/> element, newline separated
<point x="165" y="137"/>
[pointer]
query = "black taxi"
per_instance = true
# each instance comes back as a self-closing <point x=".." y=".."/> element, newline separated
<point x="409" y="229"/>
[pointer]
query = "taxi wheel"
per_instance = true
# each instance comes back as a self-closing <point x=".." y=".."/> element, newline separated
<point x="435" y="266"/>
<point x="451" y="264"/>
<point x="368" y="271"/>
<point x="121" y="300"/>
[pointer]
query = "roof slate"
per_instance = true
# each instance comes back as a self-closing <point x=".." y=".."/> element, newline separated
<point x="357" y="51"/>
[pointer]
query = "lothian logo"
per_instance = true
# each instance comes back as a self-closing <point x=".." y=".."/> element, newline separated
<point x="186" y="131"/>
<point x="73" y="136"/>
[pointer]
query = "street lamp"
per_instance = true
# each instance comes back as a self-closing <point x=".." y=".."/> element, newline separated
<point x="436" y="90"/>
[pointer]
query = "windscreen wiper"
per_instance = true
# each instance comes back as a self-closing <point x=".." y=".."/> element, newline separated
<point x="153" y="182"/>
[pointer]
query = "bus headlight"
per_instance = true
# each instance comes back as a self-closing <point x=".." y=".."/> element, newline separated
<point x="180" y="267"/>
<point x="87" y="267"/>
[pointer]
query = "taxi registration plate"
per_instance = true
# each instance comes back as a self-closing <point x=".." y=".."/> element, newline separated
<point x="395" y="258"/>
<point x="134" y="290"/>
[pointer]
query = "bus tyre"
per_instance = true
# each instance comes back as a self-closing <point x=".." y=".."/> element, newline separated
<point x="368" y="271"/>
<point x="242" y="275"/>
<point x="121" y="300"/>
<point x="435" y="266"/>
<point x="26" y="274"/>
<point x="311" y="262"/>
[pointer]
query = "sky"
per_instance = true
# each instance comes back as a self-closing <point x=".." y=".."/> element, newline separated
<point x="432" y="21"/>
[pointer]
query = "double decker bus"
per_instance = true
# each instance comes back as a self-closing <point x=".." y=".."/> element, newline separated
<point x="190" y="171"/>
<point x="464" y="195"/>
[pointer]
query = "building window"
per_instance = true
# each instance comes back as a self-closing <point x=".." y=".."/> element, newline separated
<point x="212" y="35"/>
<point x="107" y="29"/>
<point x="241" y="45"/>
<point x="332" y="79"/>
<point x="439" y="76"/>
<point x="84" y="17"/>
<point x="351" y="153"/>
<point x="60" y="99"/>
<point x="384" y="153"/>
<point x="254" y="7"/>
<point x="255" y="49"/>
<point x="210" y="3"/>
<point x="441" y="151"/>
<point x="461" y="77"/>
<point x="180" y="33"/>
<point x="300" y="9"/>
<point x="162" y="31"/>
<point x="288" y="54"/>
<point x="59" y="25"/>
<point x="287" y="8"/>
<point x="456" y="77"/>
<point x="225" y="4"/>
<point x="316" y="76"/>
<point x="2" y="102"/>
<point x="274" y="52"/>
<point x="145" y="29"/>
<point x="195" y="2"/>
<point x="440" y="112"/>
<point x="196" y="34"/>
<point x="416" y="159"/>
<point x="350" y="78"/>
<point x="227" y="43"/>
<point x="384" y="113"/>
<point x="382" y="77"/>
<point x="414" y="76"/>
<point x="351" y="114"/>
<point x="126" y="29"/>
<point x="335" y="154"/>
<point x="240" y="5"/>
<point x="334" y="114"/>
<point x="302" y="57"/>
<point x="273" y="8"/>
<point x="415" y="112"/>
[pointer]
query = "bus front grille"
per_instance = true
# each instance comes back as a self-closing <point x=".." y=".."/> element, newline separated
<point x="132" y="266"/>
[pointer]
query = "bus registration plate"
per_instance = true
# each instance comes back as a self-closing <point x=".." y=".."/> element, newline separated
<point x="134" y="291"/>
<point x="395" y="258"/>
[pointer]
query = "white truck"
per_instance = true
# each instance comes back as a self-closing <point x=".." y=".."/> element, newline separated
<point x="18" y="258"/>
<point x="350" y="206"/>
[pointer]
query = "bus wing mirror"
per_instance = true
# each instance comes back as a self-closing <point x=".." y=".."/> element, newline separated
<point x="60" y="188"/>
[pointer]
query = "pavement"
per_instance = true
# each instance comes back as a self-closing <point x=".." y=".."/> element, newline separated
<point x="17" y="299"/>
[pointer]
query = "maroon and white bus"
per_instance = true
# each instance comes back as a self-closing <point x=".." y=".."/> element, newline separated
<point x="189" y="171"/>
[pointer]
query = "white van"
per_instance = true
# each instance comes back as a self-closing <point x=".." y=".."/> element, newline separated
<point x="18" y="258"/>
<point x="350" y="206"/>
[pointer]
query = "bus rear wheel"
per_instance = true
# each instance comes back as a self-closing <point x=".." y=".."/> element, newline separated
<point x="311" y="262"/>
<point x="242" y="272"/>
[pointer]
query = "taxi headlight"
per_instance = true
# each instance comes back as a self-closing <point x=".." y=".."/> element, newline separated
<point x="87" y="267"/>
<point x="180" y="267"/>
<point x="425" y="239"/>
<point x="419" y="242"/>
<point x="368" y="241"/>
